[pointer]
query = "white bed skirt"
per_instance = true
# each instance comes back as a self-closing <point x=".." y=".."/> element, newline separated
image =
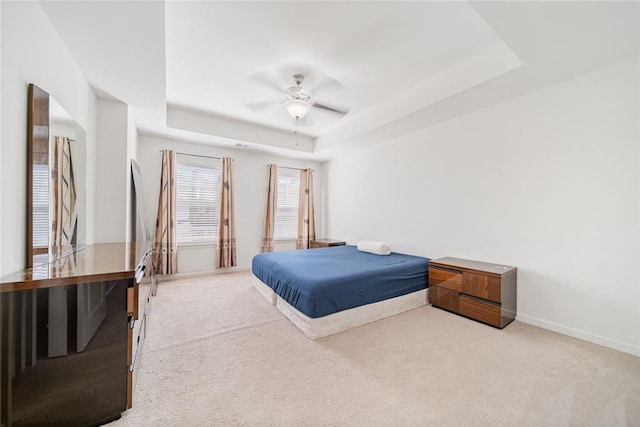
<point x="268" y="293"/>
<point x="346" y="319"/>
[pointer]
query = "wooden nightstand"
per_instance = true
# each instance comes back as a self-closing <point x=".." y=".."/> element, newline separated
<point x="325" y="243"/>
<point x="480" y="291"/>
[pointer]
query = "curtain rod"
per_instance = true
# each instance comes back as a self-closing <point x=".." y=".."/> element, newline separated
<point x="287" y="167"/>
<point x="198" y="155"/>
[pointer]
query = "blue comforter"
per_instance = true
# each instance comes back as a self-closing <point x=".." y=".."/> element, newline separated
<point x="320" y="282"/>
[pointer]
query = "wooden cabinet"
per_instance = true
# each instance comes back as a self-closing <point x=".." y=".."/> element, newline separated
<point x="67" y="347"/>
<point x="325" y="243"/>
<point x="138" y="318"/>
<point x="481" y="291"/>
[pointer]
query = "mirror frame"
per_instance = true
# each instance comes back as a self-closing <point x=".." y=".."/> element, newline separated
<point x="37" y="143"/>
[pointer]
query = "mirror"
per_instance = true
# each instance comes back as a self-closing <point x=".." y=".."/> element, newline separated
<point x="143" y="232"/>
<point x="56" y="180"/>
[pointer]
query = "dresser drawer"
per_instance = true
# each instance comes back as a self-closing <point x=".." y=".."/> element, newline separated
<point x="480" y="310"/>
<point x="445" y="279"/>
<point x="481" y="286"/>
<point x="132" y="300"/>
<point x="443" y="298"/>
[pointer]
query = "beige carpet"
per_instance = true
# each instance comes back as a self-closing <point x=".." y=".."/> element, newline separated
<point x="218" y="354"/>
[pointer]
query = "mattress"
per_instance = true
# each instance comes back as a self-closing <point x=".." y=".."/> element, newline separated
<point x="324" y="281"/>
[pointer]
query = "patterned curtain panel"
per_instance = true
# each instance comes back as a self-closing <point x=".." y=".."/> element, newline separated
<point x="63" y="194"/>
<point x="306" y="221"/>
<point x="165" y="242"/>
<point x="270" y="214"/>
<point x="226" y="228"/>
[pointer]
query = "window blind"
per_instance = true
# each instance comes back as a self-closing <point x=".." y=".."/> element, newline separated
<point x="40" y="205"/>
<point x="197" y="194"/>
<point x="286" y="221"/>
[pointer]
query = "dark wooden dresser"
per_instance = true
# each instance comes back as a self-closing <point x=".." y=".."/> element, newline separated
<point x="325" y="243"/>
<point x="481" y="291"/>
<point x="67" y="348"/>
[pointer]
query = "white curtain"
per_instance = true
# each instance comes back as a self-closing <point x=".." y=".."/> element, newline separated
<point x="270" y="212"/>
<point x="306" y="220"/>
<point x="226" y="228"/>
<point x="63" y="191"/>
<point x="165" y="242"/>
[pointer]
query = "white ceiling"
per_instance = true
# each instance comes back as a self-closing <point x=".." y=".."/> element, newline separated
<point x="374" y="49"/>
<point x="186" y="68"/>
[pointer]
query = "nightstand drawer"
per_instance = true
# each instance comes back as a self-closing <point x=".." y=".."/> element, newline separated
<point x="481" y="286"/>
<point x="325" y="243"/>
<point x="443" y="298"/>
<point x="445" y="279"/>
<point x="480" y="310"/>
<point x="481" y="291"/>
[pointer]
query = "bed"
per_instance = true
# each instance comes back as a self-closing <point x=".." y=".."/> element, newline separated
<point x="325" y="291"/>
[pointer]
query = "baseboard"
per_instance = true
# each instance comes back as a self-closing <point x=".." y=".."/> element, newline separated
<point x="576" y="333"/>
<point x="178" y="276"/>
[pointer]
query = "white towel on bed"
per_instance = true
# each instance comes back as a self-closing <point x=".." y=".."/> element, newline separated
<point x="378" y="248"/>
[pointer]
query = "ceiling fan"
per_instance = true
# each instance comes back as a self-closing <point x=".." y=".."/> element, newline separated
<point x="297" y="99"/>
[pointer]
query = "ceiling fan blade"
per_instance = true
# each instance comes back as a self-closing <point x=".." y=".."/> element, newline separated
<point x="324" y="82"/>
<point x="334" y="109"/>
<point x="267" y="80"/>
<point x="259" y="106"/>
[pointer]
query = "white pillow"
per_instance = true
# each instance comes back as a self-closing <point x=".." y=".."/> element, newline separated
<point x="378" y="248"/>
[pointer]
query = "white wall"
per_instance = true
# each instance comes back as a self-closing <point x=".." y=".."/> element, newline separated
<point x="32" y="52"/>
<point x="112" y="173"/>
<point x="91" y="174"/>
<point x="1" y="139"/>
<point x="250" y="184"/>
<point x="547" y="182"/>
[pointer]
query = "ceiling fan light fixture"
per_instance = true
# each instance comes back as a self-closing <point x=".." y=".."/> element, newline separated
<point x="297" y="108"/>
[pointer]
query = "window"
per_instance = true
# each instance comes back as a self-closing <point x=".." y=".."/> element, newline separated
<point x="40" y="205"/>
<point x="197" y="189"/>
<point x="286" y="221"/>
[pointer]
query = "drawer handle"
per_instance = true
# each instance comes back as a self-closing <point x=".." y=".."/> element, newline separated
<point x="140" y="273"/>
<point x="486" y="301"/>
<point x="135" y="354"/>
<point x="437" y="267"/>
